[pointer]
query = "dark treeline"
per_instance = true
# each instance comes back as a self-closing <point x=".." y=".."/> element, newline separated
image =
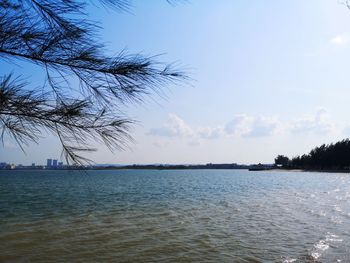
<point x="325" y="157"/>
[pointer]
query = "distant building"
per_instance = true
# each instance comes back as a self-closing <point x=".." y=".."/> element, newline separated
<point x="60" y="164"/>
<point x="49" y="162"/>
<point x="54" y="163"/>
<point x="33" y="164"/>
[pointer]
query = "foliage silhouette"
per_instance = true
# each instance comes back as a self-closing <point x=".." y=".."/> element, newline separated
<point x="281" y="160"/>
<point x="332" y="156"/>
<point x="59" y="37"/>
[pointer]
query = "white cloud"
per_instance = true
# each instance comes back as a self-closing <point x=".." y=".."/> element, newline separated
<point x="249" y="126"/>
<point x="318" y="124"/>
<point x="174" y="127"/>
<point x="340" y="40"/>
<point x="177" y="127"/>
<point x="262" y="126"/>
<point x="245" y="126"/>
<point x="239" y="125"/>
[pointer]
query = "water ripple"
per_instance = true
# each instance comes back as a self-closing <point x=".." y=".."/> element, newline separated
<point x="174" y="216"/>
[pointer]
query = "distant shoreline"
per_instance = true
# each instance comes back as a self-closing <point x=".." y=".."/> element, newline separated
<point x="137" y="167"/>
<point x="252" y="168"/>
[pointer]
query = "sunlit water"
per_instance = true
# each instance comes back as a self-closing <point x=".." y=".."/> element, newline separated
<point x="174" y="216"/>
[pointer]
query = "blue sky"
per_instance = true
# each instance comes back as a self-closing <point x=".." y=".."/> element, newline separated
<point x="270" y="77"/>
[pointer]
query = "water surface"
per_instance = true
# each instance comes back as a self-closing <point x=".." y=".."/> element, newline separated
<point x="174" y="216"/>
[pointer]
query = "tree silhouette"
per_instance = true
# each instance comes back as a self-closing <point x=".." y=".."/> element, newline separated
<point x="282" y="160"/>
<point x="332" y="156"/>
<point x="84" y="88"/>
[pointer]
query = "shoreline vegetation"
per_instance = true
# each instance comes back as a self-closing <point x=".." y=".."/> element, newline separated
<point x="334" y="157"/>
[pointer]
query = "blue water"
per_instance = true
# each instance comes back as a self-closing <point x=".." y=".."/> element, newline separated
<point x="174" y="216"/>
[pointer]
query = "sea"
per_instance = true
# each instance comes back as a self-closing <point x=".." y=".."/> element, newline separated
<point x="174" y="216"/>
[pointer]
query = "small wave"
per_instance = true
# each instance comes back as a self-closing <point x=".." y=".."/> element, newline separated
<point x="289" y="260"/>
<point x="337" y="209"/>
<point x="336" y="220"/>
<point x="322" y="245"/>
<point x="333" y="238"/>
<point x="319" y="248"/>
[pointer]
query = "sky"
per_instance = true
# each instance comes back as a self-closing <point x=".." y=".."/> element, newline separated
<point x="267" y="78"/>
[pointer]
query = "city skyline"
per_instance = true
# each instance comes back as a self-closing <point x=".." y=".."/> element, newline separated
<point x="49" y="162"/>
